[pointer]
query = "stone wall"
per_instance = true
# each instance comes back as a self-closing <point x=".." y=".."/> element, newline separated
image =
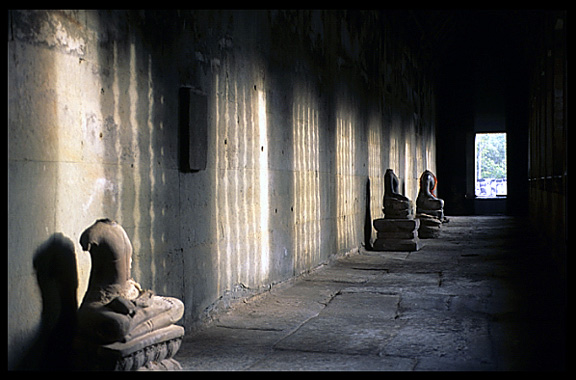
<point x="302" y="109"/>
<point x="548" y="132"/>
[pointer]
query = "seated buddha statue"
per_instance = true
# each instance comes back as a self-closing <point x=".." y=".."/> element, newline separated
<point x="116" y="312"/>
<point x="426" y="202"/>
<point x="396" y="205"/>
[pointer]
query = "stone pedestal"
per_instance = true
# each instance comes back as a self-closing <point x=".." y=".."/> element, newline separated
<point x="438" y="214"/>
<point x="152" y="351"/>
<point x="396" y="234"/>
<point x="429" y="226"/>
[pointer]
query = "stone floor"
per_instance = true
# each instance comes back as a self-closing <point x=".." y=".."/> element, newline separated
<point x="481" y="297"/>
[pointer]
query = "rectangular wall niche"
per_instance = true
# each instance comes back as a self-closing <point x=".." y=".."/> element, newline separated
<point x="193" y="131"/>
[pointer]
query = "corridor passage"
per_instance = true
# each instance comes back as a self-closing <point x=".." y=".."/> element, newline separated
<point x="484" y="296"/>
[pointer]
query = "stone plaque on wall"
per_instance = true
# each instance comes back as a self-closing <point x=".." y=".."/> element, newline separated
<point x="193" y="133"/>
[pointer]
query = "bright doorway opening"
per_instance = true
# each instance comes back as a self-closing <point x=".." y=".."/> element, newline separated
<point x="490" y="165"/>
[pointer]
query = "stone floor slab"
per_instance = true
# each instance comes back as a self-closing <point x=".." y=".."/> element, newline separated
<point x="320" y="361"/>
<point x="353" y="323"/>
<point x="479" y="298"/>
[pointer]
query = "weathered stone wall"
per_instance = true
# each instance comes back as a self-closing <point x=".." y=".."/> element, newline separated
<point x="548" y="131"/>
<point x="302" y="109"/>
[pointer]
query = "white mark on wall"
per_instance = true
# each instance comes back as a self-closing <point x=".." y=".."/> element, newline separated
<point x="100" y="186"/>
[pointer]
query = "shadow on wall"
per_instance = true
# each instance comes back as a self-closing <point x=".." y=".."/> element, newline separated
<point x="56" y="273"/>
<point x="367" y="219"/>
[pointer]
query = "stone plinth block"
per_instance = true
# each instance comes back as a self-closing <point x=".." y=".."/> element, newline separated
<point x="439" y="214"/>
<point x="394" y="225"/>
<point x="396" y="234"/>
<point x="429" y="226"/>
<point x="396" y="244"/>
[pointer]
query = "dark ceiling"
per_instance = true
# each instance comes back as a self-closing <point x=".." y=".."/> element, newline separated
<point x="441" y="35"/>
